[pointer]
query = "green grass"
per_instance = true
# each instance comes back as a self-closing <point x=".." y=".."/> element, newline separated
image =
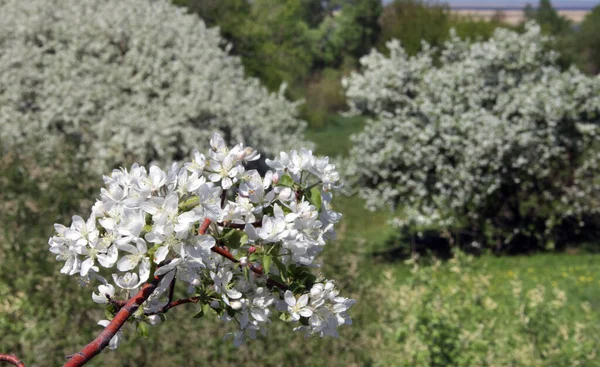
<point x="334" y="138"/>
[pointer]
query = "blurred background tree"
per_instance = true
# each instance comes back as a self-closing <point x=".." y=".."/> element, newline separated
<point x="312" y="44"/>
<point x="589" y="38"/>
<point x="562" y="29"/>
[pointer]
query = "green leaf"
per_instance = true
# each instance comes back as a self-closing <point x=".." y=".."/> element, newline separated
<point x="189" y="203"/>
<point x="200" y="314"/>
<point x="314" y="197"/>
<point x="266" y="263"/>
<point x="109" y="312"/>
<point x="283" y="271"/>
<point x="139" y="312"/>
<point x="143" y="329"/>
<point x="234" y="238"/>
<point x="253" y="257"/>
<point x="285" y="180"/>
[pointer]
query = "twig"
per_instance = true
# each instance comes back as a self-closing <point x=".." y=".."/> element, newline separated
<point x="11" y="359"/>
<point x="228" y="255"/>
<point x="239" y="225"/>
<point x="172" y="304"/>
<point x="172" y="289"/>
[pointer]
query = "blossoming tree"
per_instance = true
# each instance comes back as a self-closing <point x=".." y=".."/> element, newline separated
<point x="124" y="81"/>
<point x="242" y="243"/>
<point x="489" y="136"/>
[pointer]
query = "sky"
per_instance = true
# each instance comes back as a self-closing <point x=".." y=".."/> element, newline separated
<point x="521" y="3"/>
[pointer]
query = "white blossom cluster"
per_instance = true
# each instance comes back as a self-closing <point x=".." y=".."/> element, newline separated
<point x="146" y="223"/>
<point x="128" y="80"/>
<point x="490" y="131"/>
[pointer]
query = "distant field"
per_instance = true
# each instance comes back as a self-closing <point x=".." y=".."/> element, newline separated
<point x="516" y="16"/>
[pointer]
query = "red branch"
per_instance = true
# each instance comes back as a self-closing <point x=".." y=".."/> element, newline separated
<point x="97" y="345"/>
<point x="12" y="359"/>
<point x="172" y="304"/>
<point x="120" y="303"/>
<point x="228" y="255"/>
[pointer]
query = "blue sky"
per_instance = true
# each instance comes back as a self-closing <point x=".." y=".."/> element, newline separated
<point x="521" y="3"/>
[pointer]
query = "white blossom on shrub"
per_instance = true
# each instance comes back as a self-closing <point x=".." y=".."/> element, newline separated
<point x="241" y="244"/>
<point x="490" y="135"/>
<point x="128" y="80"/>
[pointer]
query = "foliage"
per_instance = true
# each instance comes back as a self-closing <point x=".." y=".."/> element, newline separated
<point x="547" y="17"/>
<point x="589" y="37"/>
<point x="124" y="81"/>
<point x="348" y="32"/>
<point x="414" y="21"/>
<point x="228" y="15"/>
<point x="273" y="41"/>
<point x="324" y="96"/>
<point x="450" y="315"/>
<point x="496" y="140"/>
<point x="285" y="41"/>
<point x="564" y="40"/>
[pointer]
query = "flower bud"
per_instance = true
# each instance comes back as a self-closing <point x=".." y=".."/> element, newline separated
<point x="154" y="320"/>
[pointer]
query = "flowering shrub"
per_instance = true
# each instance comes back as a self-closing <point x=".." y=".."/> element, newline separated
<point x="126" y="81"/>
<point x="493" y="137"/>
<point x="453" y="315"/>
<point x="243" y="243"/>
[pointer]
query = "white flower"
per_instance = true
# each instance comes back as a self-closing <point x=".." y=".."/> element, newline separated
<point x="82" y="232"/>
<point x="128" y="281"/>
<point x="137" y="256"/>
<point x="210" y="202"/>
<point x="225" y="171"/>
<point x="104" y="291"/>
<point x="273" y="229"/>
<point x="297" y="308"/>
<point x="197" y="164"/>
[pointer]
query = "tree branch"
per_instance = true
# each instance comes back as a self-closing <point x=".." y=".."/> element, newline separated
<point x="11" y="359"/>
<point x="172" y="304"/>
<point x="239" y="225"/>
<point x="228" y="255"/>
<point x="97" y="345"/>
